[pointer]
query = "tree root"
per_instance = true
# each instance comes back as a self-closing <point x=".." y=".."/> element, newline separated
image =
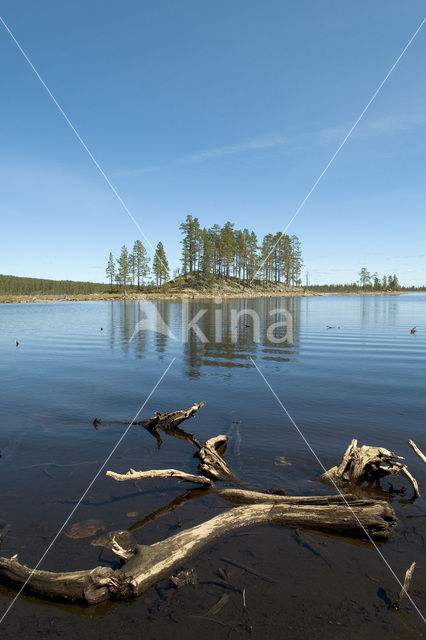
<point x="367" y="464"/>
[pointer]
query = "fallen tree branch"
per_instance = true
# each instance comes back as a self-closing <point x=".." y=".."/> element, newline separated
<point x="169" y="423"/>
<point x="417" y="450"/>
<point x="160" y="473"/>
<point x="242" y="496"/>
<point x="143" y="566"/>
<point x="148" y="564"/>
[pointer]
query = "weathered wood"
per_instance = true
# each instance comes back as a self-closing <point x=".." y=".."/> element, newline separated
<point x="146" y="565"/>
<point x="169" y="423"/>
<point x="417" y="450"/>
<point x="367" y="464"/>
<point x="242" y="496"/>
<point x="404" y="591"/>
<point x="160" y="473"/>
<point x="88" y="586"/>
<point x="143" y="566"/>
<point x="212" y="464"/>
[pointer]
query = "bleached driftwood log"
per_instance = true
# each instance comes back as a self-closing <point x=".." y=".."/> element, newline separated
<point x="367" y="464"/>
<point x="417" y="450"/>
<point x="145" y="565"/>
<point x="160" y="473"/>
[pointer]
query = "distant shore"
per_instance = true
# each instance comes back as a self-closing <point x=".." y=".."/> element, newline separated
<point x="192" y="295"/>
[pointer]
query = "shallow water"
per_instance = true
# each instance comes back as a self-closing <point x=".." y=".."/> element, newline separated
<point x="364" y="377"/>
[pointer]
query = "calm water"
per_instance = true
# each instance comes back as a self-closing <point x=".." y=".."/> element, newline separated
<point x="364" y="377"/>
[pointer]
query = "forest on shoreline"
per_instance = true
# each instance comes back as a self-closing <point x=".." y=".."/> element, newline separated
<point x="211" y="258"/>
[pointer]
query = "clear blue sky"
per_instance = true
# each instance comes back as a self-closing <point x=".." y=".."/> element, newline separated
<point x="225" y="110"/>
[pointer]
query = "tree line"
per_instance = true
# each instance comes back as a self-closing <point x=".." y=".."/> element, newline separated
<point x="236" y="252"/>
<point x="16" y="285"/>
<point x="372" y="281"/>
<point x="218" y="251"/>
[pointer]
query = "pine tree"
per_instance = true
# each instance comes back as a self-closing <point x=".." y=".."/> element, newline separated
<point x="240" y="253"/>
<point x="267" y="257"/>
<point x="132" y="267"/>
<point x="217" y="248"/>
<point x="364" y="277"/>
<point x="141" y="262"/>
<point x="160" y="266"/>
<point x="110" y="270"/>
<point x="296" y="260"/>
<point x="207" y="257"/>
<point x="123" y="271"/>
<point x="191" y="244"/>
<point x="253" y="257"/>
<point x="228" y="247"/>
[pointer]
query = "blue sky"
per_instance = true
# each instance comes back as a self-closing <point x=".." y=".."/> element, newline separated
<point x="225" y="110"/>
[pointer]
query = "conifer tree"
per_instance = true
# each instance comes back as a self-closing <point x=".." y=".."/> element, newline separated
<point x="191" y="244"/>
<point x="207" y="257"/>
<point x="110" y="269"/>
<point x="160" y="265"/>
<point x="228" y="247"/>
<point x="123" y="271"/>
<point x="364" y="277"/>
<point x="141" y="262"/>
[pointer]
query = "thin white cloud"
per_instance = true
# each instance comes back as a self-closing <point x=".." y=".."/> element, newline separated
<point x="386" y="124"/>
<point x="253" y="144"/>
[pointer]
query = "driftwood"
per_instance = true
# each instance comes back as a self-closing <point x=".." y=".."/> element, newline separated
<point x="404" y="591"/>
<point x="367" y="464"/>
<point x="160" y="473"/>
<point x="417" y="450"/>
<point x="143" y="566"/>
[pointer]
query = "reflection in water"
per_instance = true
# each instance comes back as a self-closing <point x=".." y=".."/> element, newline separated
<point x="221" y="333"/>
<point x="232" y="344"/>
<point x="380" y="309"/>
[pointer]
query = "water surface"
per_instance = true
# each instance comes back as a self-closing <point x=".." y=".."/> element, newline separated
<point x="351" y="369"/>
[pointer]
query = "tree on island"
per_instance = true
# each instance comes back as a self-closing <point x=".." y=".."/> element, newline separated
<point x="141" y="262"/>
<point x="191" y="244"/>
<point x="364" y="278"/>
<point x="377" y="285"/>
<point x="160" y="265"/>
<point x="225" y="251"/>
<point x="110" y="269"/>
<point x="393" y="282"/>
<point x="123" y="271"/>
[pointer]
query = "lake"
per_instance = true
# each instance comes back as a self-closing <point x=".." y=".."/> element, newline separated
<point x="343" y="366"/>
